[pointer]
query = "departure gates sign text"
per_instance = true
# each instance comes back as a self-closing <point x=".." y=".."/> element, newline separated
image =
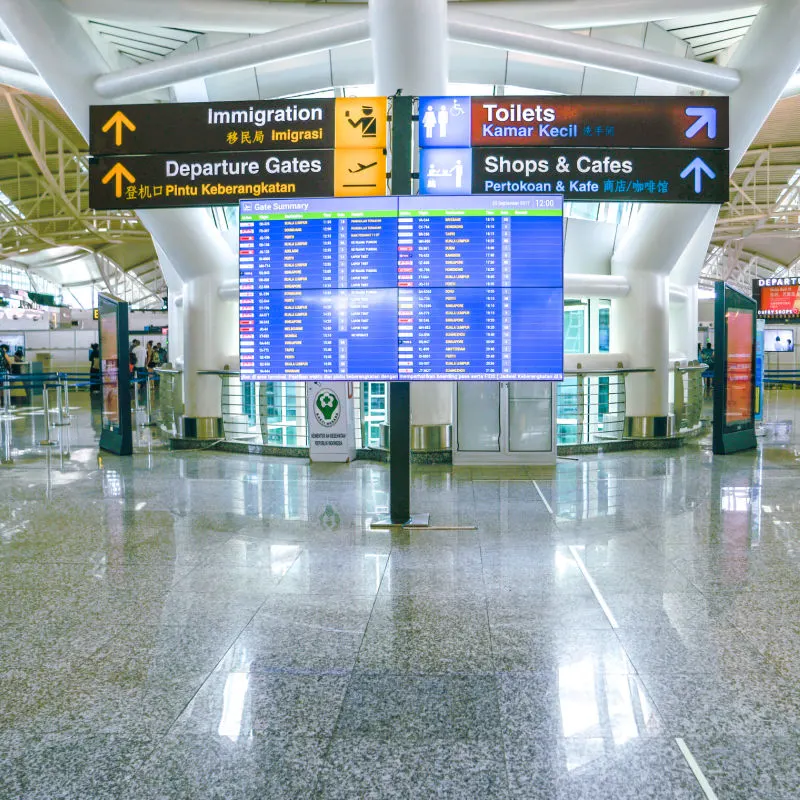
<point x="201" y="154"/>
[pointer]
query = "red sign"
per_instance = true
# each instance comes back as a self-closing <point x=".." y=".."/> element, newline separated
<point x="663" y="122"/>
<point x="779" y="301"/>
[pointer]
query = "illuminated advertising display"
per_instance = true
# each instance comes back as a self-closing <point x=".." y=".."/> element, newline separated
<point x="739" y="376"/>
<point x="778" y="299"/>
<point x="110" y="366"/>
<point x="401" y="288"/>
<point x="734" y="371"/>
<point x="116" y="433"/>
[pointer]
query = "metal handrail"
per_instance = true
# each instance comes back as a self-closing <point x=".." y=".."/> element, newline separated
<point x="619" y="371"/>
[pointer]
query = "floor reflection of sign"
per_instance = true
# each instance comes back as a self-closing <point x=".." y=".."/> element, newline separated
<point x="329" y="518"/>
<point x="359" y="173"/>
<point x="445" y="171"/>
<point x="444" y="122"/>
<point x="360" y="122"/>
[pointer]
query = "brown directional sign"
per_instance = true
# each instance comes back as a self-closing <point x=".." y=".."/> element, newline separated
<point x="691" y="122"/>
<point x="344" y="122"/>
<point x="591" y="174"/>
<point x="209" y="179"/>
<point x="583" y="121"/>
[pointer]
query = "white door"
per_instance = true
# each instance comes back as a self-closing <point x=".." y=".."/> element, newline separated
<point x="504" y="423"/>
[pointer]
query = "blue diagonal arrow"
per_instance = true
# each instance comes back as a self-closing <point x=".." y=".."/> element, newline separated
<point x="706" y="115"/>
<point x="698" y="166"/>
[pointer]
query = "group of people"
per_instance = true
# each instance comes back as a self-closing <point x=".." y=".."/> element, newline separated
<point x="706" y="356"/>
<point x="140" y="359"/>
<point x="148" y="358"/>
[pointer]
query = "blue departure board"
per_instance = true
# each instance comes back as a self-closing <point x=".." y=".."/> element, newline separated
<point x="401" y="288"/>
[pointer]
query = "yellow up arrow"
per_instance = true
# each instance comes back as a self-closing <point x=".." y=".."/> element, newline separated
<point x="118" y="172"/>
<point x="117" y="120"/>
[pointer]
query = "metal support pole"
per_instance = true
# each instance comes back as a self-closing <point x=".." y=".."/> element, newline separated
<point x="59" y="405"/>
<point x="400" y="453"/>
<point x="7" y="459"/>
<point x="67" y="415"/>
<point x="7" y="398"/>
<point x="148" y="401"/>
<point x="46" y="409"/>
<point x="400" y="392"/>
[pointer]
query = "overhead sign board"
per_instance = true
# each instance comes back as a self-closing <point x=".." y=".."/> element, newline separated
<point x="777" y="299"/>
<point x="206" y="179"/>
<point x="344" y="122"/>
<point x="602" y="121"/>
<point x="640" y="175"/>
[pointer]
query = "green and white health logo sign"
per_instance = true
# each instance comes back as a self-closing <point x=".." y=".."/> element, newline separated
<point x="330" y="425"/>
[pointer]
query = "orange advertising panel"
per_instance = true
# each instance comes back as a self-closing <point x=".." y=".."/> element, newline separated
<point x="739" y="389"/>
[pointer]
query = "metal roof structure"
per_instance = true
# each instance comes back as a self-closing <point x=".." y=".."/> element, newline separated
<point x="43" y="159"/>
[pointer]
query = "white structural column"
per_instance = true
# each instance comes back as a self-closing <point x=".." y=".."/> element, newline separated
<point x="683" y="314"/>
<point x="258" y="16"/>
<point x="228" y="16"/>
<point x="68" y="61"/>
<point x="297" y="40"/>
<point x="640" y="327"/>
<point x="409" y="48"/>
<point x="577" y="14"/>
<point x="766" y="59"/>
<point x="492" y="31"/>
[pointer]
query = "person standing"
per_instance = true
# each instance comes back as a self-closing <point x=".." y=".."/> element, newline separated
<point x="707" y="358"/>
<point x="94" y="368"/>
<point x="5" y="368"/>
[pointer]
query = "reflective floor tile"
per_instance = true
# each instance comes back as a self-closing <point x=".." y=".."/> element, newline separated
<point x="427" y="635"/>
<point x="433" y="571"/>
<point x="227" y="764"/>
<point x="743" y="768"/>
<point x="285" y="703"/>
<point x="529" y="647"/>
<point x="599" y="769"/>
<point x="62" y="767"/>
<point x="546" y="610"/>
<point x="688" y="648"/>
<point x="383" y="770"/>
<point x="415" y="708"/>
<point x="301" y="632"/>
<point x="332" y="571"/>
<point x="738" y="705"/>
<point x="576" y="702"/>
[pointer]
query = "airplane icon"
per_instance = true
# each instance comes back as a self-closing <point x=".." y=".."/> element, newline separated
<point x="362" y="167"/>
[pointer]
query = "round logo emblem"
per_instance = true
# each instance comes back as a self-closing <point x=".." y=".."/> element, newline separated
<point x="327" y="408"/>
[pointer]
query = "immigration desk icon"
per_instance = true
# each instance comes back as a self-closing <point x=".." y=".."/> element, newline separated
<point x="360" y="123"/>
<point x="367" y="122"/>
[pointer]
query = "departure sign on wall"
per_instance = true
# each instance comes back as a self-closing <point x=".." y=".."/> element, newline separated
<point x="405" y="288"/>
<point x="778" y="299"/>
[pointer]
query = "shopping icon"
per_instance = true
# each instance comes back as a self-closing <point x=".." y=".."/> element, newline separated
<point x="444" y="122"/>
<point x="445" y="171"/>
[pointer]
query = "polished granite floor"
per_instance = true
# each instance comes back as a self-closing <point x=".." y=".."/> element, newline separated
<point x="205" y="625"/>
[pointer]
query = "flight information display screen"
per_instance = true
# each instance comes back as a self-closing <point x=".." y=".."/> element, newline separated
<point x="401" y="288"/>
